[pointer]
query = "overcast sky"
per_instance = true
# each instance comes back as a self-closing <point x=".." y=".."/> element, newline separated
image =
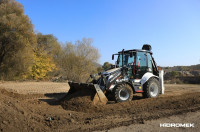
<point x="172" y="27"/>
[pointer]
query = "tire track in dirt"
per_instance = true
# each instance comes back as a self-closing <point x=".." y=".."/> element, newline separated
<point x="136" y="111"/>
<point x="43" y="112"/>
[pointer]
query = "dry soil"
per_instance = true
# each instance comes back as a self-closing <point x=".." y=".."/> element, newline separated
<point x="39" y="106"/>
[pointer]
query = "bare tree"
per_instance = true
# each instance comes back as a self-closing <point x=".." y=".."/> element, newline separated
<point x="78" y="60"/>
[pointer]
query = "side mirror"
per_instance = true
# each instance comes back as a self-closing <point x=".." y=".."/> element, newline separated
<point x="112" y="57"/>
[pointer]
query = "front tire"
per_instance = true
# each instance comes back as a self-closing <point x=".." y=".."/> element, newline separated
<point x="151" y="88"/>
<point x="123" y="92"/>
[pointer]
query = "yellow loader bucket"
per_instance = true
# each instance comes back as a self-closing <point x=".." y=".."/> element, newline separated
<point x="87" y="89"/>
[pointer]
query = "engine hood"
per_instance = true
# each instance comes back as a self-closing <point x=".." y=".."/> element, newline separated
<point x="111" y="71"/>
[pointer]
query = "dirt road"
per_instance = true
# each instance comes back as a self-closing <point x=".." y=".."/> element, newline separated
<point x="36" y="106"/>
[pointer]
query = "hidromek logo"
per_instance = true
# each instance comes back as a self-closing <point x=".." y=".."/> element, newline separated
<point x="176" y="124"/>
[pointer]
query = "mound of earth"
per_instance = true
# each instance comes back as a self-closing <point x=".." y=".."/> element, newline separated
<point x="136" y="111"/>
<point x="13" y="115"/>
<point x="79" y="100"/>
<point x="44" y="112"/>
<point x="161" y="105"/>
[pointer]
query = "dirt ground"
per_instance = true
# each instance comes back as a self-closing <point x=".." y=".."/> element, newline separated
<point x="36" y="106"/>
<point x="35" y="87"/>
<point x="154" y="125"/>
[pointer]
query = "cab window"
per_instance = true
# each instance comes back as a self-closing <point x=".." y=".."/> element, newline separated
<point x="141" y="64"/>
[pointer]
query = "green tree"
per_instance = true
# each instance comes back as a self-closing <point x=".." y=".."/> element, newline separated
<point x="48" y="44"/>
<point x="174" y="74"/>
<point x="17" y="40"/>
<point x="106" y="65"/>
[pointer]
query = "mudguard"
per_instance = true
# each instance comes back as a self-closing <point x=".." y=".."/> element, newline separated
<point x="148" y="75"/>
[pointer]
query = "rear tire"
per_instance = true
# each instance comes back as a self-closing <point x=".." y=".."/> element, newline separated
<point x="123" y="92"/>
<point x="151" y="88"/>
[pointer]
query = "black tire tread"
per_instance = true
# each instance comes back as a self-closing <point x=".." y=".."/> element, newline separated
<point x="116" y="91"/>
<point x="146" y="93"/>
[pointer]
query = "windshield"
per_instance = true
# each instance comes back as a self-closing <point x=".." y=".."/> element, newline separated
<point x="127" y="59"/>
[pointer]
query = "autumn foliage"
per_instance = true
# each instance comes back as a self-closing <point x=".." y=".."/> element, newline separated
<point x="25" y="54"/>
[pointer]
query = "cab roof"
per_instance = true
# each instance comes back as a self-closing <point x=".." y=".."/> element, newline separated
<point x="135" y="50"/>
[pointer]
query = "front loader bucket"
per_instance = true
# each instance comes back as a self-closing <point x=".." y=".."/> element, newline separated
<point x="85" y="89"/>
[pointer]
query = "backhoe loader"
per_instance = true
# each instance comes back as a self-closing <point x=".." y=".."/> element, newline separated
<point x="135" y="71"/>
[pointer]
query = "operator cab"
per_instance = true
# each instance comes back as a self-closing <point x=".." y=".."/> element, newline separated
<point x="138" y="62"/>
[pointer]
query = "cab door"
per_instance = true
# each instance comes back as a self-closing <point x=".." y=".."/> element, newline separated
<point x="141" y="64"/>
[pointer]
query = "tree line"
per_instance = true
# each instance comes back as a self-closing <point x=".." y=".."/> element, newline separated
<point x="25" y="54"/>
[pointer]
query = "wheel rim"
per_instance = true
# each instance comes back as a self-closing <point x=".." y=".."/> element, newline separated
<point x="124" y="94"/>
<point x="153" y="89"/>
